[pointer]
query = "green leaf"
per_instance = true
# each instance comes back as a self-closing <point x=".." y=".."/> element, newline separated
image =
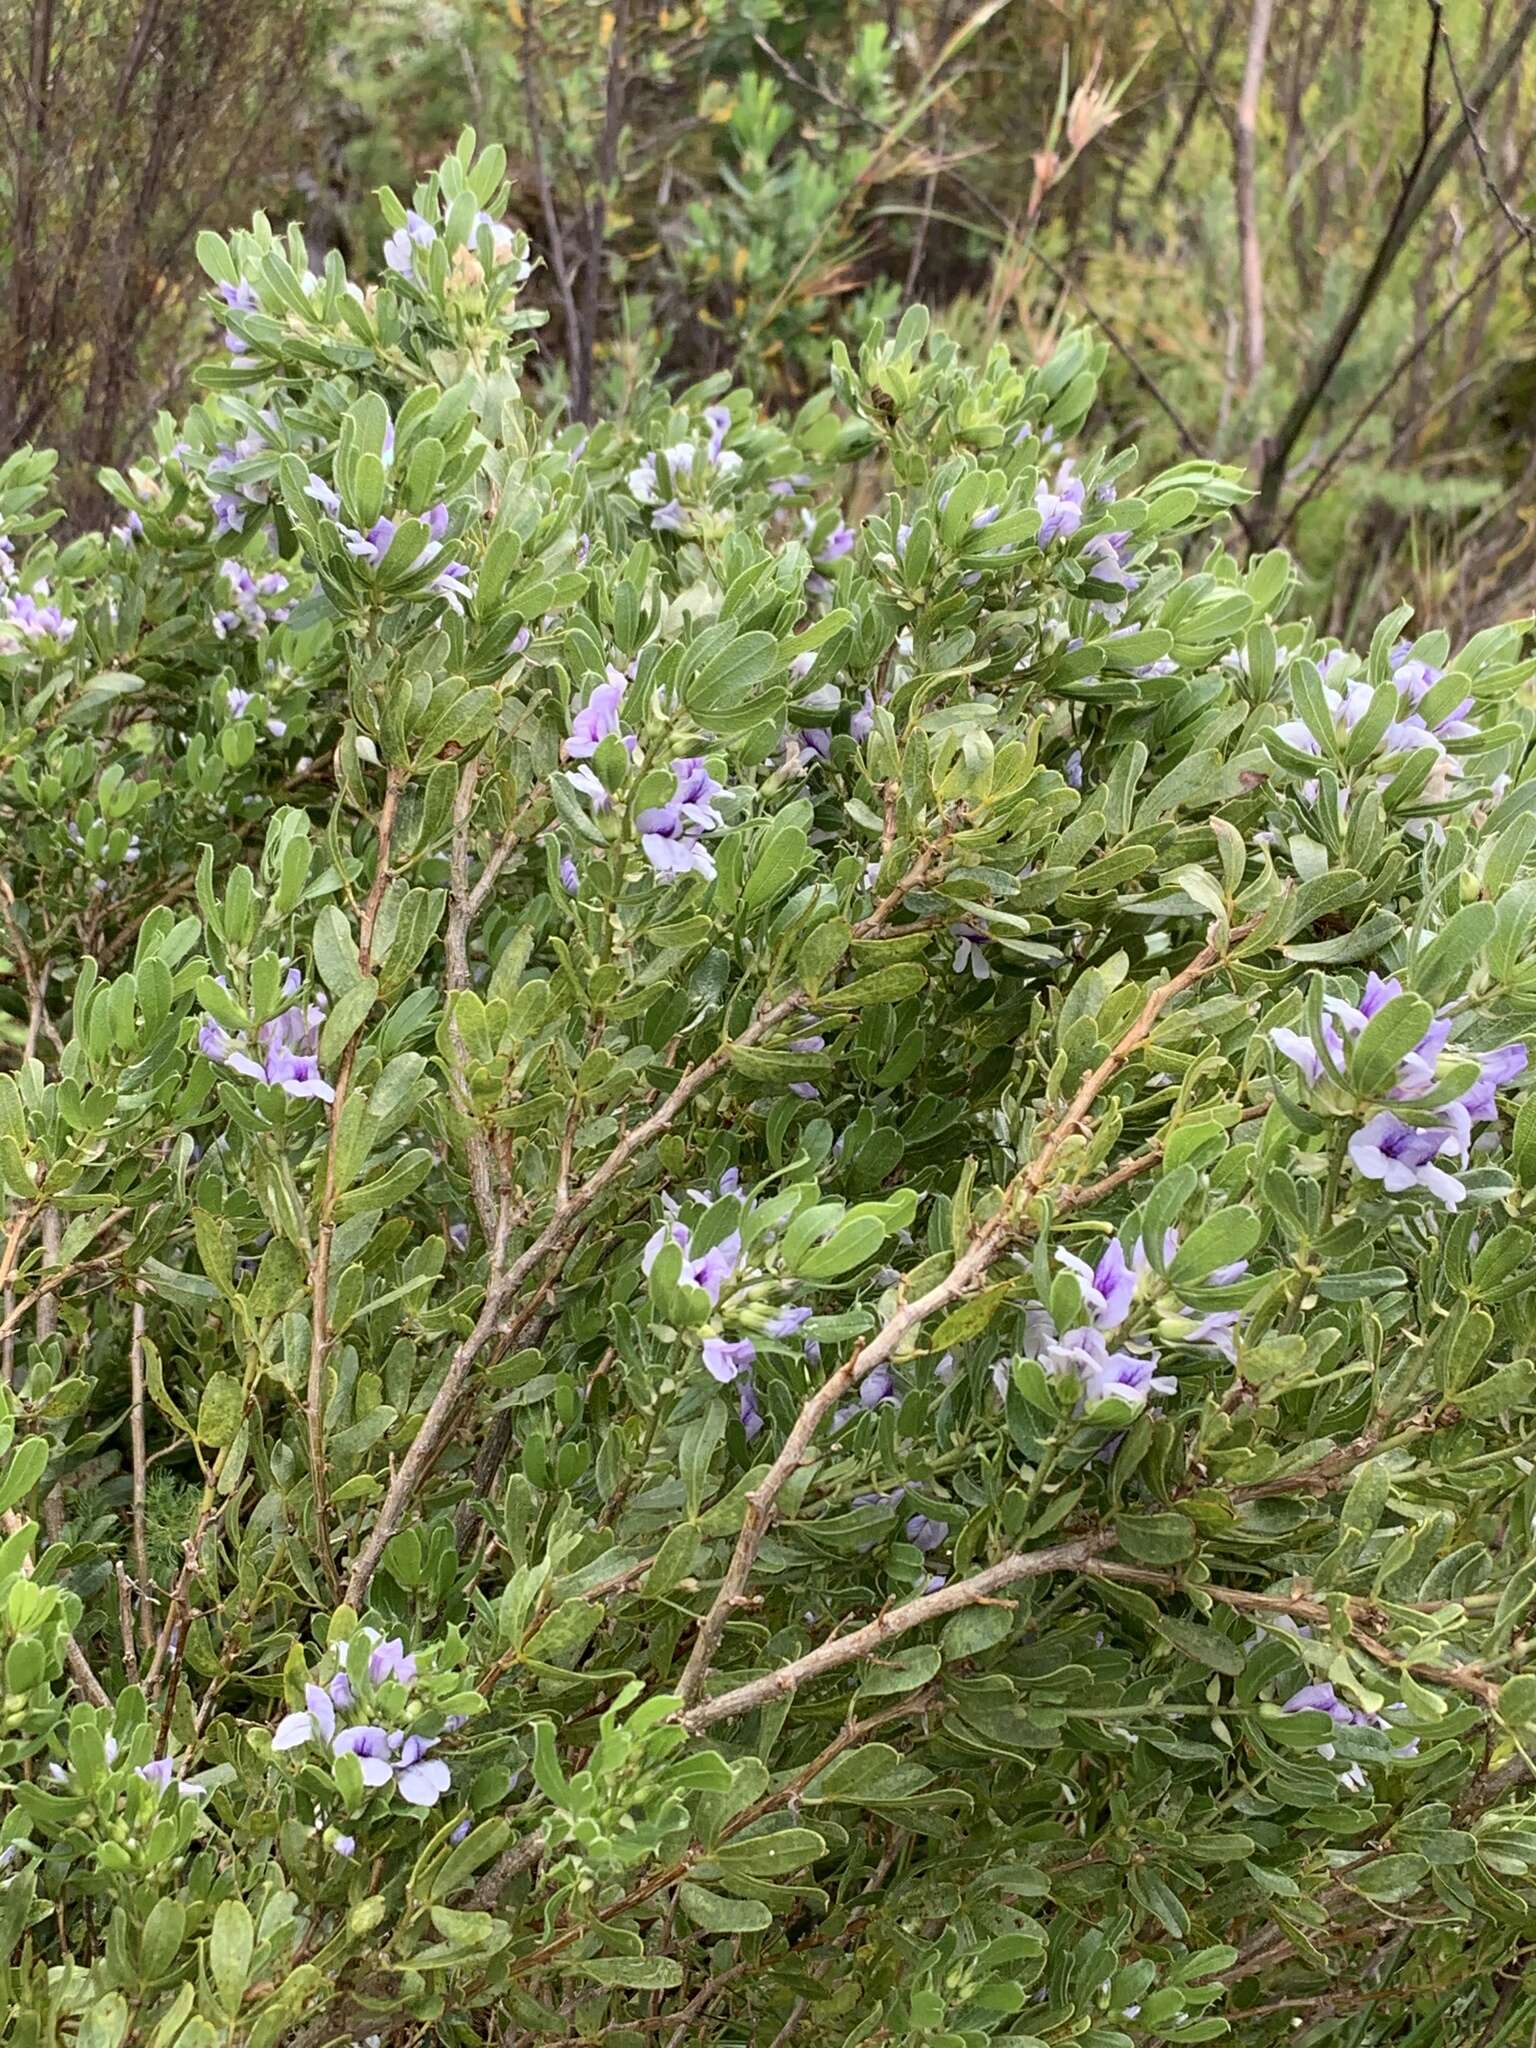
<point x="1205" y="1645"/>
<point x="1394" y="1031"/>
<point x="22" y="1470"/>
<point x="632" y="1973"/>
<point x="336" y="951"/>
<point x="220" y="1411"/>
<point x="348" y="1016"/>
<point x="1221" y="1240"/>
<point x="230" y="1944"/>
<point x="1156" y="1539"/>
<point x="717" y="1915"/>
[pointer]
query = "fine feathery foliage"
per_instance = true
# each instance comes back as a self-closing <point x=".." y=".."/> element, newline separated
<point x="764" y="1279"/>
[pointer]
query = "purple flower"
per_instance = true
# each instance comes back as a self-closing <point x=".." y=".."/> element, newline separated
<point x="969" y="940"/>
<point x="399" y="250"/>
<point x="1108" y="1287"/>
<point x="317" y="1725"/>
<point x="345" y="1845"/>
<point x="718" y="420"/>
<point x="1060" y="507"/>
<point x="925" y="1532"/>
<point x="420" y="1780"/>
<point x="695" y="787"/>
<point x="570" y="880"/>
<point x="862" y="723"/>
<point x="390" y="1659"/>
<point x="671" y="833"/>
<point x="746" y="1407"/>
<point x="1403" y="1156"/>
<point x="461" y="1831"/>
<point x="839" y="542"/>
<point x="788" y="1320"/>
<point x="1499" y="1066"/>
<point x="453" y="586"/>
<point x="158" y="1773"/>
<point x="725" y="1360"/>
<point x="318" y="489"/>
<point x="598" y="718"/>
<point x="1104" y="1374"/>
<point x="371" y="1747"/>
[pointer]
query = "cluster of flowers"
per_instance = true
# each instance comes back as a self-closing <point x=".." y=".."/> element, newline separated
<point x="742" y="1299"/>
<point x="385" y="1756"/>
<point x="287" y="1050"/>
<point x="671" y="834"/>
<point x="233" y="498"/>
<point x="1410" y="731"/>
<point x="248" y="607"/>
<point x="29" y="621"/>
<point x="1322" y="1699"/>
<point x="1111" y="1288"/>
<point x="160" y="1772"/>
<point x="418" y="233"/>
<point x="713" y="460"/>
<point x="1402" y="1155"/>
<point x="451" y="582"/>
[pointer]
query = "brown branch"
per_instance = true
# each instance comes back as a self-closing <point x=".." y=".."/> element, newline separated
<point x="1522" y="226"/>
<point x="140" y="1467"/>
<point x="831" y="1655"/>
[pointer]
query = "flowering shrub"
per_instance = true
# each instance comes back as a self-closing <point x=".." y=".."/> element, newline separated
<point x="766" y="1275"/>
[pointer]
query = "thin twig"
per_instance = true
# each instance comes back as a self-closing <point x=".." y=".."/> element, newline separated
<point x="146" y="1623"/>
<point x="1245" y="145"/>
<point x="897" y="1621"/>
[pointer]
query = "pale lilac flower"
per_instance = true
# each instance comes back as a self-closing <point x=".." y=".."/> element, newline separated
<point x="399" y="250"/>
<point x="371" y="1747"/>
<point x="598" y="718"/>
<point x="460" y="1831"/>
<point x="1060" y="506"/>
<point x="925" y="1532"/>
<point x="750" y="1414"/>
<point x="390" y="1659"/>
<point x="570" y="880"/>
<point x="1403" y="1156"/>
<point x="1104" y="1374"/>
<point x="725" y="1359"/>
<point x="788" y="1320"/>
<point x="969" y="939"/>
<point x="1108" y="1287"/>
<point x="318" y="1724"/>
<point x="318" y="489"/>
<point x="420" y="1780"/>
<point x="345" y="1845"/>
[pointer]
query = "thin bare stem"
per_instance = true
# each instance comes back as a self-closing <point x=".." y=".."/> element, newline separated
<point x="146" y="1621"/>
<point x="1245" y="141"/>
<point x="981" y="1587"/>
